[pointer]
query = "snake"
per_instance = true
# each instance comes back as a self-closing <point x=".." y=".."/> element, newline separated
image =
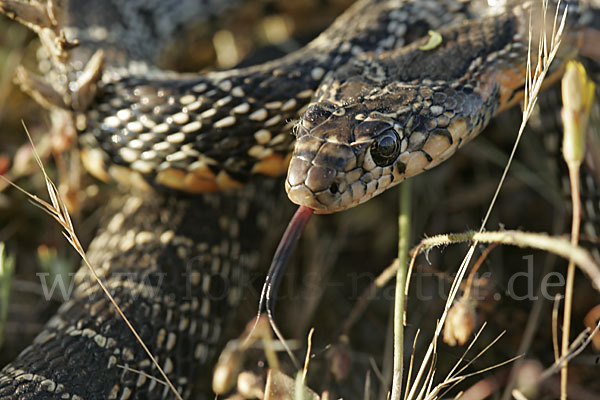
<point x="392" y="88"/>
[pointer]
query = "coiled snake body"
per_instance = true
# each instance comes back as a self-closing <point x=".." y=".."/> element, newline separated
<point x="382" y="110"/>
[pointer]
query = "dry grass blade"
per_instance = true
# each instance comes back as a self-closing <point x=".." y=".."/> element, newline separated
<point x="57" y="209"/>
<point x="576" y="347"/>
<point x="453" y="378"/>
<point x="137" y="371"/>
<point x="483" y="351"/>
<point x="412" y="359"/>
<point x="300" y="382"/>
<point x="533" y="85"/>
<point x="471" y="344"/>
<point x="555" y="326"/>
<point x="367" y="389"/>
<point x="308" y="352"/>
<point x="436" y="394"/>
<point x="376" y="370"/>
<point x="428" y="378"/>
<point x="532" y="89"/>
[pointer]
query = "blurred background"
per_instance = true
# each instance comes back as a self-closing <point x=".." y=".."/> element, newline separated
<point x="339" y="255"/>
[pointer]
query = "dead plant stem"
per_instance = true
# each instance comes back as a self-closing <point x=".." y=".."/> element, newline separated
<point x="575" y="224"/>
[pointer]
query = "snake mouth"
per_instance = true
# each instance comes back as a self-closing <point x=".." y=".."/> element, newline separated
<point x="345" y="190"/>
<point x="324" y="202"/>
<point x="319" y="187"/>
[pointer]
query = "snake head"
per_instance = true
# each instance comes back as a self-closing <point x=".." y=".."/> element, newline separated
<point x="349" y="152"/>
<point x="343" y="157"/>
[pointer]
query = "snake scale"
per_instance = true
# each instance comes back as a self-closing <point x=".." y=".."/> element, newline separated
<point x="377" y="103"/>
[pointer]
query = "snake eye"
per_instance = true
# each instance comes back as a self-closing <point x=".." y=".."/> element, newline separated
<point x="385" y="148"/>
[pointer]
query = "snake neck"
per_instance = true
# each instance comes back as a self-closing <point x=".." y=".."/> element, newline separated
<point x="379" y="120"/>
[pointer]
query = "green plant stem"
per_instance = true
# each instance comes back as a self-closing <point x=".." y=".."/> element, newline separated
<point x="404" y="226"/>
<point x="7" y="268"/>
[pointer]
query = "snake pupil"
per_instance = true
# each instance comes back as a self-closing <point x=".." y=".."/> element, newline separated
<point x="385" y="148"/>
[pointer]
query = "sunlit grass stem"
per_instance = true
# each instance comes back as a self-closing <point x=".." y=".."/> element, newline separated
<point x="404" y="227"/>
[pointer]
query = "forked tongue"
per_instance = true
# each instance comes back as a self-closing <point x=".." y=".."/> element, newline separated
<point x="279" y="263"/>
<point x="281" y="258"/>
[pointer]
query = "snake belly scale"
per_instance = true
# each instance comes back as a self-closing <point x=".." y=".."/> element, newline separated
<point x="205" y="133"/>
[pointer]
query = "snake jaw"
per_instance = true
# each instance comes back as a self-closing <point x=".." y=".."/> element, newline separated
<point x="347" y="189"/>
<point x="319" y="173"/>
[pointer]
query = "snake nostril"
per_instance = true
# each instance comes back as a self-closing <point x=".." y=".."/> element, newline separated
<point x="333" y="188"/>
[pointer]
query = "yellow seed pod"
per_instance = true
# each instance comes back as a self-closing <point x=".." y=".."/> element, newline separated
<point x="577" y="96"/>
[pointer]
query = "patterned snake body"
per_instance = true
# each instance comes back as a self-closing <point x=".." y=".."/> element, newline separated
<point x="175" y="270"/>
<point x="384" y="113"/>
<point x="203" y="134"/>
<point x="389" y="111"/>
